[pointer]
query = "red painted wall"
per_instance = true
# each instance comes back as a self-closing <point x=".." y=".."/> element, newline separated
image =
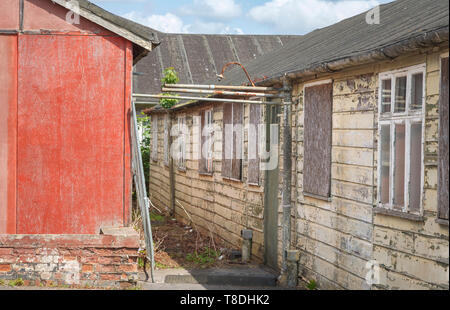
<point x="8" y="126"/>
<point x="9" y="14"/>
<point x="71" y="116"/>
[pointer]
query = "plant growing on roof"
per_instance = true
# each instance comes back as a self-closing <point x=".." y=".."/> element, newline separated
<point x="170" y="77"/>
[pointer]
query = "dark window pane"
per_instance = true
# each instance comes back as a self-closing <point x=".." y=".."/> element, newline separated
<point x="385" y="137"/>
<point x="416" y="91"/>
<point x="415" y="167"/>
<point x="400" y="94"/>
<point x="399" y="170"/>
<point x="386" y="95"/>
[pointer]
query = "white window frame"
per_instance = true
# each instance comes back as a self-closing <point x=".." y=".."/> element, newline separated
<point x="181" y="163"/>
<point x="154" y="125"/>
<point x="407" y="118"/>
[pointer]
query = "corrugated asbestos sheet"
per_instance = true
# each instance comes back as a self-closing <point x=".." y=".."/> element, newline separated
<point x="198" y="58"/>
<point x="399" y="20"/>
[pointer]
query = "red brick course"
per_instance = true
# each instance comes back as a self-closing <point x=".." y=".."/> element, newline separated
<point x="93" y="260"/>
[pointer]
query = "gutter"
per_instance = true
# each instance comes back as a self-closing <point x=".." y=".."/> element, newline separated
<point x="388" y="52"/>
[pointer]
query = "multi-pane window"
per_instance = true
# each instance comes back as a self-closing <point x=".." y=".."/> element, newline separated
<point x="400" y="164"/>
<point x="207" y="142"/>
<point x="154" y="141"/>
<point x="182" y="138"/>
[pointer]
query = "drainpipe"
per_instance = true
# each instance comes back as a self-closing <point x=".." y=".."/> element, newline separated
<point x="286" y="277"/>
<point x="171" y="169"/>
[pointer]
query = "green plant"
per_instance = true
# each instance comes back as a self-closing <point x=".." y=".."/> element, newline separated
<point x="144" y="123"/>
<point x="312" y="285"/>
<point x="2" y="282"/>
<point x="207" y="257"/>
<point x="170" y="77"/>
<point x="156" y="217"/>
<point x="16" y="282"/>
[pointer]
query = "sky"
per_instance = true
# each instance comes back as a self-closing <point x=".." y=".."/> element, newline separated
<point x="238" y="16"/>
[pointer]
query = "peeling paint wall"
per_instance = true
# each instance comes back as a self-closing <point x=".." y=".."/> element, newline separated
<point x="339" y="239"/>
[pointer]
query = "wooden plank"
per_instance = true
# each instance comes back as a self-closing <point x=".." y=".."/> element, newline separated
<point x="443" y="193"/>
<point x="238" y="115"/>
<point x="318" y="138"/>
<point x="71" y="134"/>
<point x="226" y="145"/>
<point x="253" y="144"/>
<point x="202" y="163"/>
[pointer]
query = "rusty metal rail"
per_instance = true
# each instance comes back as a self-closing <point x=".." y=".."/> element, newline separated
<point x="141" y="191"/>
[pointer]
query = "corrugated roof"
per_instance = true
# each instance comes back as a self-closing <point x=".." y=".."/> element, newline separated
<point x="198" y="57"/>
<point x="413" y="23"/>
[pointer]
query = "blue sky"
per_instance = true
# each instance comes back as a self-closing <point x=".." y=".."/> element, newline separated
<point x="238" y="16"/>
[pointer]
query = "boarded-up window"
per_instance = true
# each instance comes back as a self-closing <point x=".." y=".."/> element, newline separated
<point x="154" y="140"/>
<point x="317" y="132"/>
<point x="253" y="144"/>
<point x="166" y="140"/>
<point x="182" y="141"/>
<point x="207" y="143"/>
<point x="443" y="141"/>
<point x="232" y="141"/>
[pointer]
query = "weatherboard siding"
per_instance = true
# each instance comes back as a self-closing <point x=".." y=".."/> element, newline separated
<point x="338" y="238"/>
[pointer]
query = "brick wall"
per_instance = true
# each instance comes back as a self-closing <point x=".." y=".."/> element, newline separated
<point x="98" y="261"/>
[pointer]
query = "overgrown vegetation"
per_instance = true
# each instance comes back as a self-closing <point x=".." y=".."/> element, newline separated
<point x="204" y="258"/>
<point x="16" y="282"/>
<point x="170" y="77"/>
<point x="144" y="125"/>
<point x="312" y="285"/>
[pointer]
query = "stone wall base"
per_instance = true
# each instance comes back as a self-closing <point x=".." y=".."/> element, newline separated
<point x="78" y="260"/>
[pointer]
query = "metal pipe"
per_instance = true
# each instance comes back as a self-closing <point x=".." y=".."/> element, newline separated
<point x="220" y="76"/>
<point x="219" y="92"/>
<point x="287" y="172"/>
<point x="206" y="99"/>
<point x="224" y="87"/>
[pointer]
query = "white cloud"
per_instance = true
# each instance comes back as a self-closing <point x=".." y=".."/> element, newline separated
<point x="212" y="28"/>
<point x="173" y="24"/>
<point x="213" y="9"/>
<point x="306" y="15"/>
<point x="165" y="23"/>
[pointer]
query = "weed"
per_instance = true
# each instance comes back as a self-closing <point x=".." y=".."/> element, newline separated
<point x="312" y="285"/>
<point x="16" y="282"/>
<point x="2" y="283"/>
<point x="207" y="257"/>
<point x="156" y="217"/>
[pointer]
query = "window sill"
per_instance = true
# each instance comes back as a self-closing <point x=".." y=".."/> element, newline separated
<point x="408" y="216"/>
<point x="442" y="222"/>
<point x="206" y="174"/>
<point x="328" y="199"/>
<point x="231" y="179"/>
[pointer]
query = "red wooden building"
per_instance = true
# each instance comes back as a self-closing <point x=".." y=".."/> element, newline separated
<point x="64" y="132"/>
<point x="65" y="95"/>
